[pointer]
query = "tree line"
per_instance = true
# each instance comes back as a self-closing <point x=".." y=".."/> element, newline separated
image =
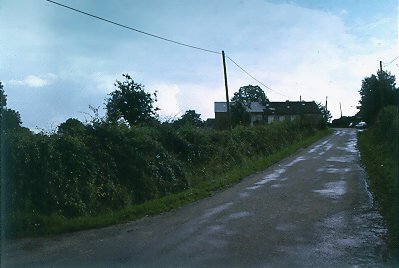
<point x="377" y="92"/>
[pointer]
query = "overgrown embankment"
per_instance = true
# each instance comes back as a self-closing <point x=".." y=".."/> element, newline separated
<point x="87" y="176"/>
<point x="379" y="152"/>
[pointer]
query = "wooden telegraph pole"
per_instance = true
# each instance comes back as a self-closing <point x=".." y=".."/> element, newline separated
<point x="326" y="102"/>
<point x="227" y="91"/>
<point x="382" y="97"/>
<point x="340" y="108"/>
<point x="326" y="110"/>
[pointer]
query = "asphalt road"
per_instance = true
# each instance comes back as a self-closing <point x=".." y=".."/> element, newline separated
<point x="312" y="209"/>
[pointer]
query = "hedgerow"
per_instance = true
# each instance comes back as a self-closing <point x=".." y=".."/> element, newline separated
<point x="380" y="154"/>
<point x="89" y="169"/>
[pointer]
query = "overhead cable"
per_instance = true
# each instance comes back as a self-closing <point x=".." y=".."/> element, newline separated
<point x="250" y="75"/>
<point x="162" y="38"/>
<point x="389" y="63"/>
<point x="133" y="29"/>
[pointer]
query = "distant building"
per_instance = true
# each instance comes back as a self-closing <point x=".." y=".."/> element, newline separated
<point x="292" y="110"/>
<point x="273" y="111"/>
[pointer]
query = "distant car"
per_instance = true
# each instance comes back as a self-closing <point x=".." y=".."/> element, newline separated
<point x="361" y="125"/>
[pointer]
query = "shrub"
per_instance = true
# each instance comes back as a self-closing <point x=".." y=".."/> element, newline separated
<point x="379" y="151"/>
<point x="91" y="169"/>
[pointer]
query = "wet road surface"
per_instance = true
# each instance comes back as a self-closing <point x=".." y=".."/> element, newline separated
<point x="312" y="209"/>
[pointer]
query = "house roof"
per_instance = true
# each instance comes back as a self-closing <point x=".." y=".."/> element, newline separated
<point x="281" y="108"/>
<point x="291" y="107"/>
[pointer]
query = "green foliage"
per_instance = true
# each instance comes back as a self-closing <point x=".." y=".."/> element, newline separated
<point x="9" y="119"/>
<point x="135" y="158"/>
<point x="379" y="146"/>
<point x="248" y="94"/>
<point x="3" y="97"/>
<point x="216" y="176"/>
<point x="326" y="116"/>
<point x="129" y="103"/>
<point x="380" y="155"/>
<point x="72" y="127"/>
<point x="376" y="93"/>
<point x="190" y="117"/>
<point x="89" y="170"/>
<point x="387" y="128"/>
<point x="104" y="169"/>
<point x="241" y="102"/>
<point x="239" y="114"/>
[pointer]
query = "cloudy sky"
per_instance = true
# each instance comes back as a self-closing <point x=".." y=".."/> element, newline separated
<point x="54" y="62"/>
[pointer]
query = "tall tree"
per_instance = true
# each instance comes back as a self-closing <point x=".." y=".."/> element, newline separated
<point x="241" y="102"/>
<point x="9" y="119"/>
<point x="326" y="115"/>
<point x="248" y="94"/>
<point x="377" y="91"/>
<point x="239" y="114"/>
<point x="72" y="127"/>
<point x="3" y="97"/>
<point x="190" y="117"/>
<point x="131" y="103"/>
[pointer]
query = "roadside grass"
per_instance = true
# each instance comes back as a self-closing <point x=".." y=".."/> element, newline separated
<point x="56" y="224"/>
<point x="381" y="165"/>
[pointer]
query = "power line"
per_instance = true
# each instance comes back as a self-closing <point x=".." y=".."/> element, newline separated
<point x="389" y="63"/>
<point x="250" y="75"/>
<point x="164" y="39"/>
<point x="132" y="29"/>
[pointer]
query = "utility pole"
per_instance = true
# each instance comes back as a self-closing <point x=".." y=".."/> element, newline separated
<point x="340" y="108"/>
<point x="326" y="112"/>
<point x="382" y="96"/>
<point x="227" y="91"/>
<point x="300" y="109"/>
<point x="326" y="103"/>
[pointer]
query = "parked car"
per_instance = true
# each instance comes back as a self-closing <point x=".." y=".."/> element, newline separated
<point x="361" y="125"/>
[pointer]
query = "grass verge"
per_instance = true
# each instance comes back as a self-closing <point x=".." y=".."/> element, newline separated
<point x="56" y="224"/>
<point x="382" y="168"/>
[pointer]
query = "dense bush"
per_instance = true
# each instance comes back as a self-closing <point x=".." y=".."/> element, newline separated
<point x="380" y="154"/>
<point x="87" y="169"/>
<point x="377" y="92"/>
